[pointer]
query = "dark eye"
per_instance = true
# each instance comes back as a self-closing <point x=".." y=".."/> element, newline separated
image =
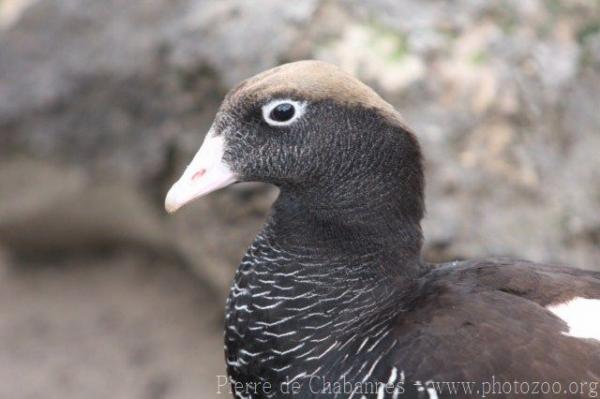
<point x="282" y="112"/>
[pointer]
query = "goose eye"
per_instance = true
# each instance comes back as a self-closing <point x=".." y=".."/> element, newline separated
<point x="282" y="112"/>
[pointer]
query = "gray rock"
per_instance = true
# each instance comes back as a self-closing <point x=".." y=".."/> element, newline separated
<point x="110" y="84"/>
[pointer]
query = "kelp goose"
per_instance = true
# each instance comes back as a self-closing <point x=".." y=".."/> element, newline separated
<point x="333" y="300"/>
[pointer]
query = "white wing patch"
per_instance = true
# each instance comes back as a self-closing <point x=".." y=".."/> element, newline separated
<point x="581" y="315"/>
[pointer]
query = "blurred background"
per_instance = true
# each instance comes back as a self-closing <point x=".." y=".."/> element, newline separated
<point x="102" y="103"/>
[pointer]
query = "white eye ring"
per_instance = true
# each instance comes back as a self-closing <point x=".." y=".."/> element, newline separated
<point x="299" y="108"/>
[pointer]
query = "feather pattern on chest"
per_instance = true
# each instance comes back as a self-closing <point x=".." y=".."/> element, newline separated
<point x="291" y="317"/>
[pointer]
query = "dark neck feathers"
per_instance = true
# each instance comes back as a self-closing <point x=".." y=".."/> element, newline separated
<point x="367" y="203"/>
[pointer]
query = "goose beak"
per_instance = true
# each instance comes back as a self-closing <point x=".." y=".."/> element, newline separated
<point x="206" y="173"/>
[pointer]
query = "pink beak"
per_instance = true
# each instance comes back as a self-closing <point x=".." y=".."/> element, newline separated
<point x="206" y="173"/>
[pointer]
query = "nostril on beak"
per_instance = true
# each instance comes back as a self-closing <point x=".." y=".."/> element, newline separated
<point x="199" y="174"/>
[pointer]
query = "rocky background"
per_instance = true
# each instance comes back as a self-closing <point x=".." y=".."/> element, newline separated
<point x="102" y="103"/>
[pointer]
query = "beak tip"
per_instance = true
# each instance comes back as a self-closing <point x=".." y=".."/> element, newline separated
<point x="171" y="209"/>
<point x="171" y="202"/>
